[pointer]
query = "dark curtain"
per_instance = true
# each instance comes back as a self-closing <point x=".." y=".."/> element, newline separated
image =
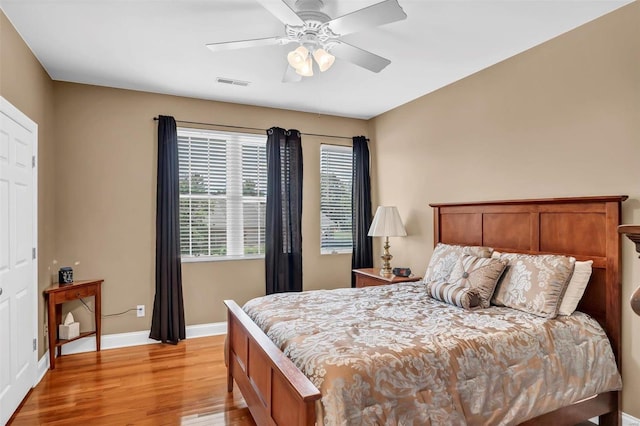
<point x="167" y="324"/>
<point x="283" y="234"/>
<point x="361" y="207"/>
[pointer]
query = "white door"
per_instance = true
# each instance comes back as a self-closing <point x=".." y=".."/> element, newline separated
<point x="18" y="277"/>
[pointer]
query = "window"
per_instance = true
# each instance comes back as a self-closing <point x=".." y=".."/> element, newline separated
<point x="336" y="180"/>
<point x="223" y="188"/>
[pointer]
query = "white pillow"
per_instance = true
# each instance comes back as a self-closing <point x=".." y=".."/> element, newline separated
<point x="576" y="287"/>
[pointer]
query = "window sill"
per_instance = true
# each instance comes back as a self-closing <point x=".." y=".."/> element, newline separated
<point x="325" y="252"/>
<point x="196" y="259"/>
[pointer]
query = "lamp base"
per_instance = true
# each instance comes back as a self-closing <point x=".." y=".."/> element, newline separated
<point x="386" y="273"/>
<point x="386" y="260"/>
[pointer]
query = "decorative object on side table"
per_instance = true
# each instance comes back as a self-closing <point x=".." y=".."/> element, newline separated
<point x="65" y="275"/>
<point x="69" y="329"/>
<point x="387" y="223"/>
<point x="633" y="232"/>
<point x="402" y="272"/>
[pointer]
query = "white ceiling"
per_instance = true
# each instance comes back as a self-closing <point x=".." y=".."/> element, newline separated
<point x="159" y="46"/>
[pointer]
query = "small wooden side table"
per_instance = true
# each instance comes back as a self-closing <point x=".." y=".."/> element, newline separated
<point x="55" y="296"/>
<point x="367" y="277"/>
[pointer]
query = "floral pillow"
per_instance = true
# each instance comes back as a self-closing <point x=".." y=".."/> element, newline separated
<point x="454" y="294"/>
<point x="444" y="258"/>
<point x="480" y="274"/>
<point x="534" y="283"/>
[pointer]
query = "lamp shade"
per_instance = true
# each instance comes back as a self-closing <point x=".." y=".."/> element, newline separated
<point x="387" y="223"/>
<point x="297" y="58"/>
<point x="306" y="70"/>
<point x="324" y="59"/>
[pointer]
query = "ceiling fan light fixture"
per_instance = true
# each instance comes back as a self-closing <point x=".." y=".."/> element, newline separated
<point x="324" y="59"/>
<point x="306" y="70"/>
<point x="297" y="58"/>
<point x="315" y="34"/>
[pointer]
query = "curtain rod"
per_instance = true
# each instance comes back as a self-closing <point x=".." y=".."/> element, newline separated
<point x="254" y="128"/>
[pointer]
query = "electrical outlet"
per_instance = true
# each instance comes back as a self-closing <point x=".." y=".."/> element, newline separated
<point x="46" y="330"/>
<point x="140" y="310"/>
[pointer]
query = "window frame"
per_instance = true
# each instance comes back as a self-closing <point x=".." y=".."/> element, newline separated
<point x="336" y="250"/>
<point x="241" y="139"/>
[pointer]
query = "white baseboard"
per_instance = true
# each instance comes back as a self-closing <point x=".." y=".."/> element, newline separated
<point x="203" y="330"/>
<point x="628" y="420"/>
<point x="123" y="340"/>
<point x="43" y="367"/>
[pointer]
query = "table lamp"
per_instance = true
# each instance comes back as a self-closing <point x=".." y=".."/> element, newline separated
<point x="387" y="223"/>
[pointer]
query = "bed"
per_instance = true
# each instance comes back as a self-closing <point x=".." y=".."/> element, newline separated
<point x="277" y="392"/>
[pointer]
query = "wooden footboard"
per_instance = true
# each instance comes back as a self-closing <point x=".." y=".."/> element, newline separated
<point x="276" y="392"/>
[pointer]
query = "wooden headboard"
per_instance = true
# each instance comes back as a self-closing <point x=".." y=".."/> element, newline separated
<point x="585" y="228"/>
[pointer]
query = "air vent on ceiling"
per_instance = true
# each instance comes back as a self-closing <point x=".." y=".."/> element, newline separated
<point x="231" y="81"/>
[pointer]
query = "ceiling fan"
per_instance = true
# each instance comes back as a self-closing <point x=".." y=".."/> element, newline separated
<point x="317" y="35"/>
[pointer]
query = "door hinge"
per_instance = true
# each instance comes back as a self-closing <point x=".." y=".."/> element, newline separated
<point x="33" y="254"/>
<point x="33" y="161"/>
<point x="35" y="344"/>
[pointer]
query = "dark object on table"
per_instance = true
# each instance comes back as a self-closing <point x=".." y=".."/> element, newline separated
<point x="402" y="272"/>
<point x="65" y="275"/>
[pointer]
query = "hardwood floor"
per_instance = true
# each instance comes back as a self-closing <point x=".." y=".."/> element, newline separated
<point x="156" y="384"/>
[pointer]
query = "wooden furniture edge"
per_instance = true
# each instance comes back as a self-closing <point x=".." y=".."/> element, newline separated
<point x="633" y="233"/>
<point x="370" y="272"/>
<point x="598" y="405"/>
<point x="294" y="388"/>
<point x="55" y="288"/>
<point x="605" y="198"/>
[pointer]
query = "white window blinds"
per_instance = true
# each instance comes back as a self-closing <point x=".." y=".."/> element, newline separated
<point x="336" y="184"/>
<point x="223" y="186"/>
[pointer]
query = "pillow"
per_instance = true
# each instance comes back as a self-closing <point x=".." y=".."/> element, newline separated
<point x="480" y="274"/>
<point x="534" y="283"/>
<point x="454" y="294"/>
<point x="576" y="287"/>
<point x="444" y="258"/>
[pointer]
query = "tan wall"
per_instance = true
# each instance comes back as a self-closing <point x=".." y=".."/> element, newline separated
<point x="562" y="119"/>
<point x="105" y="175"/>
<point x="25" y="84"/>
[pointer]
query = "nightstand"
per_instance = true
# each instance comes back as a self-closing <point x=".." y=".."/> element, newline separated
<point x="58" y="294"/>
<point x="367" y="277"/>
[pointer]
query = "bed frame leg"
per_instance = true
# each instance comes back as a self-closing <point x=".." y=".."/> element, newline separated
<point x="227" y="355"/>
<point x="611" y="419"/>
<point x="229" y="382"/>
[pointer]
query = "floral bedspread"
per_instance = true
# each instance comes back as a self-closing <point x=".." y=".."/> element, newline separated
<point x="391" y="355"/>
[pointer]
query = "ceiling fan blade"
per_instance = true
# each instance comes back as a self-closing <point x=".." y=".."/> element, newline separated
<point x="241" y="44"/>
<point x="360" y="57"/>
<point x="282" y="11"/>
<point x="378" y="14"/>
<point x="291" y="76"/>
